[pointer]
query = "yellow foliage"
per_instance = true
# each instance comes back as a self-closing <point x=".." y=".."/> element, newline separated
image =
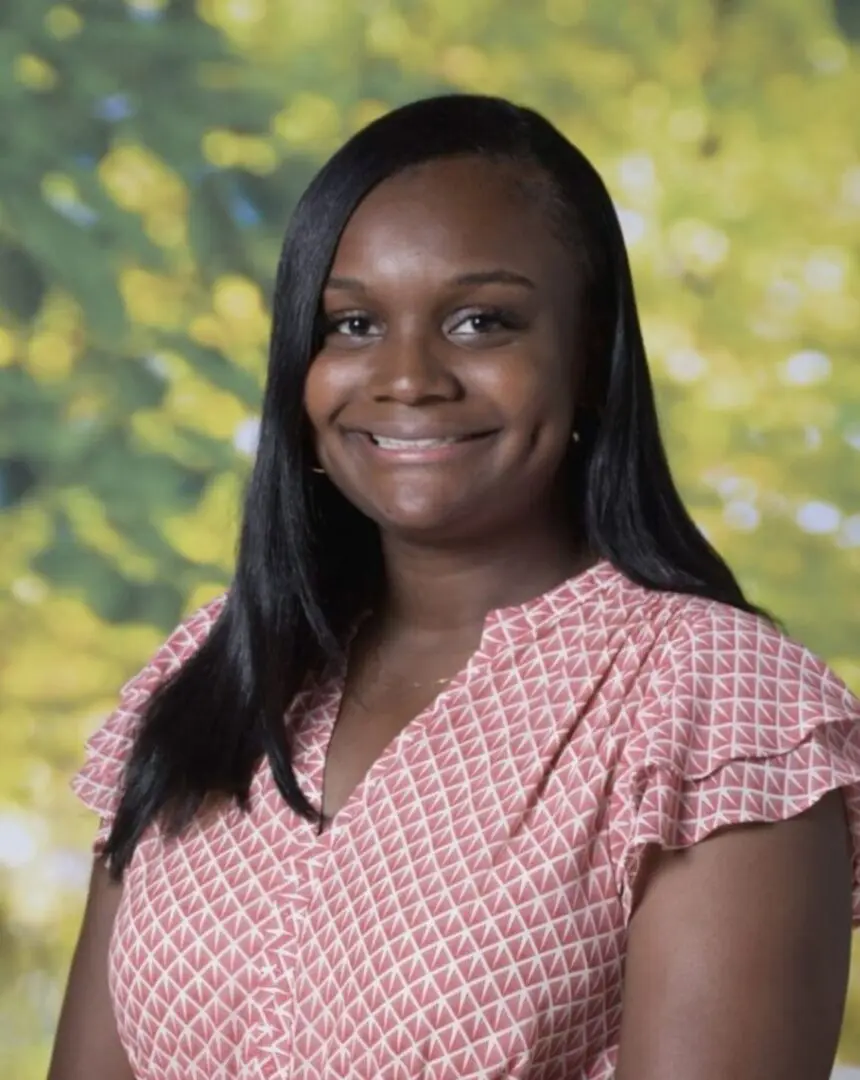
<point x="29" y="589"/>
<point x="167" y="229"/>
<point x="63" y="22"/>
<point x="208" y="330"/>
<point x="826" y="270"/>
<point x="225" y="149"/>
<point x="364" y="112"/>
<point x="259" y="156"/>
<point x="151" y="299"/>
<point x="732" y="390"/>
<point x="57" y="338"/>
<point x="304" y="22"/>
<point x="310" y="121"/>
<point x="34" y="72"/>
<point x="90" y="523"/>
<point x="237" y="18"/>
<point x="688" y="124"/>
<point x="388" y="34"/>
<point x="207" y="533"/>
<point x="62" y="313"/>
<point x="28" y="529"/>
<point x="848" y="668"/>
<point x="73" y="622"/>
<point x="84" y="406"/>
<point x="137" y="179"/>
<point x="198" y="405"/>
<point x="59" y="187"/>
<point x="156" y="431"/>
<point x="8" y="347"/>
<point x="649" y="100"/>
<point x="71" y="662"/>
<point x="44" y="672"/>
<point x="700" y="247"/>
<point x="664" y="334"/>
<point x="466" y="67"/>
<point x="839" y="315"/>
<point x="603" y="69"/>
<point x="239" y="300"/>
<point x="565" y="13"/>
<point x="239" y="323"/>
<point x="50" y="356"/>
<point x="221" y="147"/>
<point x="828" y="53"/>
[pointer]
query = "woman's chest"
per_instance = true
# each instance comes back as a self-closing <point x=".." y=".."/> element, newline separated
<point x="465" y="892"/>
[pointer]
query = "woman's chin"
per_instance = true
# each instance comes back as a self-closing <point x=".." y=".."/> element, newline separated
<point x="424" y="521"/>
<point x="430" y="525"/>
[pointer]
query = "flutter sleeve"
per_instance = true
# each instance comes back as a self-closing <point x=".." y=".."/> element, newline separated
<point x="743" y="725"/>
<point x="98" y="783"/>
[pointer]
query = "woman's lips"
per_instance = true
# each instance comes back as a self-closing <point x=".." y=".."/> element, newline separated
<point x="422" y="450"/>
<point x="416" y="444"/>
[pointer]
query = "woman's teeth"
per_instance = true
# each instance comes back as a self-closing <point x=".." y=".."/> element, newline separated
<point x="413" y="444"/>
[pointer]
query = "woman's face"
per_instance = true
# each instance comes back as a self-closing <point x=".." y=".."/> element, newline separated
<point x="442" y="399"/>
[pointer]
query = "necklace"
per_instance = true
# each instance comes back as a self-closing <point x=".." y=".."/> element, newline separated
<point x="432" y="682"/>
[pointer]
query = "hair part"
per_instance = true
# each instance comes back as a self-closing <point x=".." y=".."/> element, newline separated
<point x="309" y="562"/>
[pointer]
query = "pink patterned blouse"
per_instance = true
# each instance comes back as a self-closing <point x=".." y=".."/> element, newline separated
<point x="466" y="914"/>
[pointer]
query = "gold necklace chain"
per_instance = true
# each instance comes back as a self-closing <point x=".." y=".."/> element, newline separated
<point x="432" y="682"/>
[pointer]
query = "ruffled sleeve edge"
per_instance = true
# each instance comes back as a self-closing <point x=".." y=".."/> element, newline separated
<point x="98" y="782"/>
<point x="664" y="807"/>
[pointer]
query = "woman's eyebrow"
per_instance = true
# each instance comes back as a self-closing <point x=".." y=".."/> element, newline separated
<point x="476" y="277"/>
<point x="346" y="283"/>
<point x="495" y="277"/>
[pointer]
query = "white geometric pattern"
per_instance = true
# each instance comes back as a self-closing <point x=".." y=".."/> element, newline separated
<point x="465" y="915"/>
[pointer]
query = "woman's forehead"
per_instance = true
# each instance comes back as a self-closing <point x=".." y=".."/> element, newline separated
<point x="459" y="210"/>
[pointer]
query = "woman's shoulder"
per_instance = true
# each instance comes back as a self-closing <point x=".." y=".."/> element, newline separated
<point x="694" y="631"/>
<point x="733" y="650"/>
<point x="178" y="647"/>
<point x="196" y="627"/>
<point x="725" y="682"/>
<point x="193" y="631"/>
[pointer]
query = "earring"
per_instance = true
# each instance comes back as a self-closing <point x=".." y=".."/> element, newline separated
<point x="318" y="469"/>
<point x="575" y="436"/>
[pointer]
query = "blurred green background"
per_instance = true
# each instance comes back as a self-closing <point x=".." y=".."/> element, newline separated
<point x="151" y="154"/>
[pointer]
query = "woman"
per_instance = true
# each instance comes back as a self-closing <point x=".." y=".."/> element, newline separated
<point x="484" y="766"/>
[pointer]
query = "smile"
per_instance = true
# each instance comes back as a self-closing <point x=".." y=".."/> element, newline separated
<point x="422" y="450"/>
<point x="415" y="444"/>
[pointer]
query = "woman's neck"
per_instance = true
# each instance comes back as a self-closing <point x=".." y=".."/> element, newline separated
<point x="438" y="590"/>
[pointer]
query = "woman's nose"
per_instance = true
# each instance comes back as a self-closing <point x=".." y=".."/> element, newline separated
<point x="411" y="367"/>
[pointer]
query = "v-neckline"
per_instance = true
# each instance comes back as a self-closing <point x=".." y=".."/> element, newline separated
<point x="505" y="627"/>
<point x="330" y="704"/>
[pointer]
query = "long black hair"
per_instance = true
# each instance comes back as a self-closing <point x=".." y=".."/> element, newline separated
<point x="308" y="562"/>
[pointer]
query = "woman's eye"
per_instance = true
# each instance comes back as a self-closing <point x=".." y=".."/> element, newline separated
<point x="483" y="322"/>
<point x="353" y="325"/>
<point x="356" y="326"/>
